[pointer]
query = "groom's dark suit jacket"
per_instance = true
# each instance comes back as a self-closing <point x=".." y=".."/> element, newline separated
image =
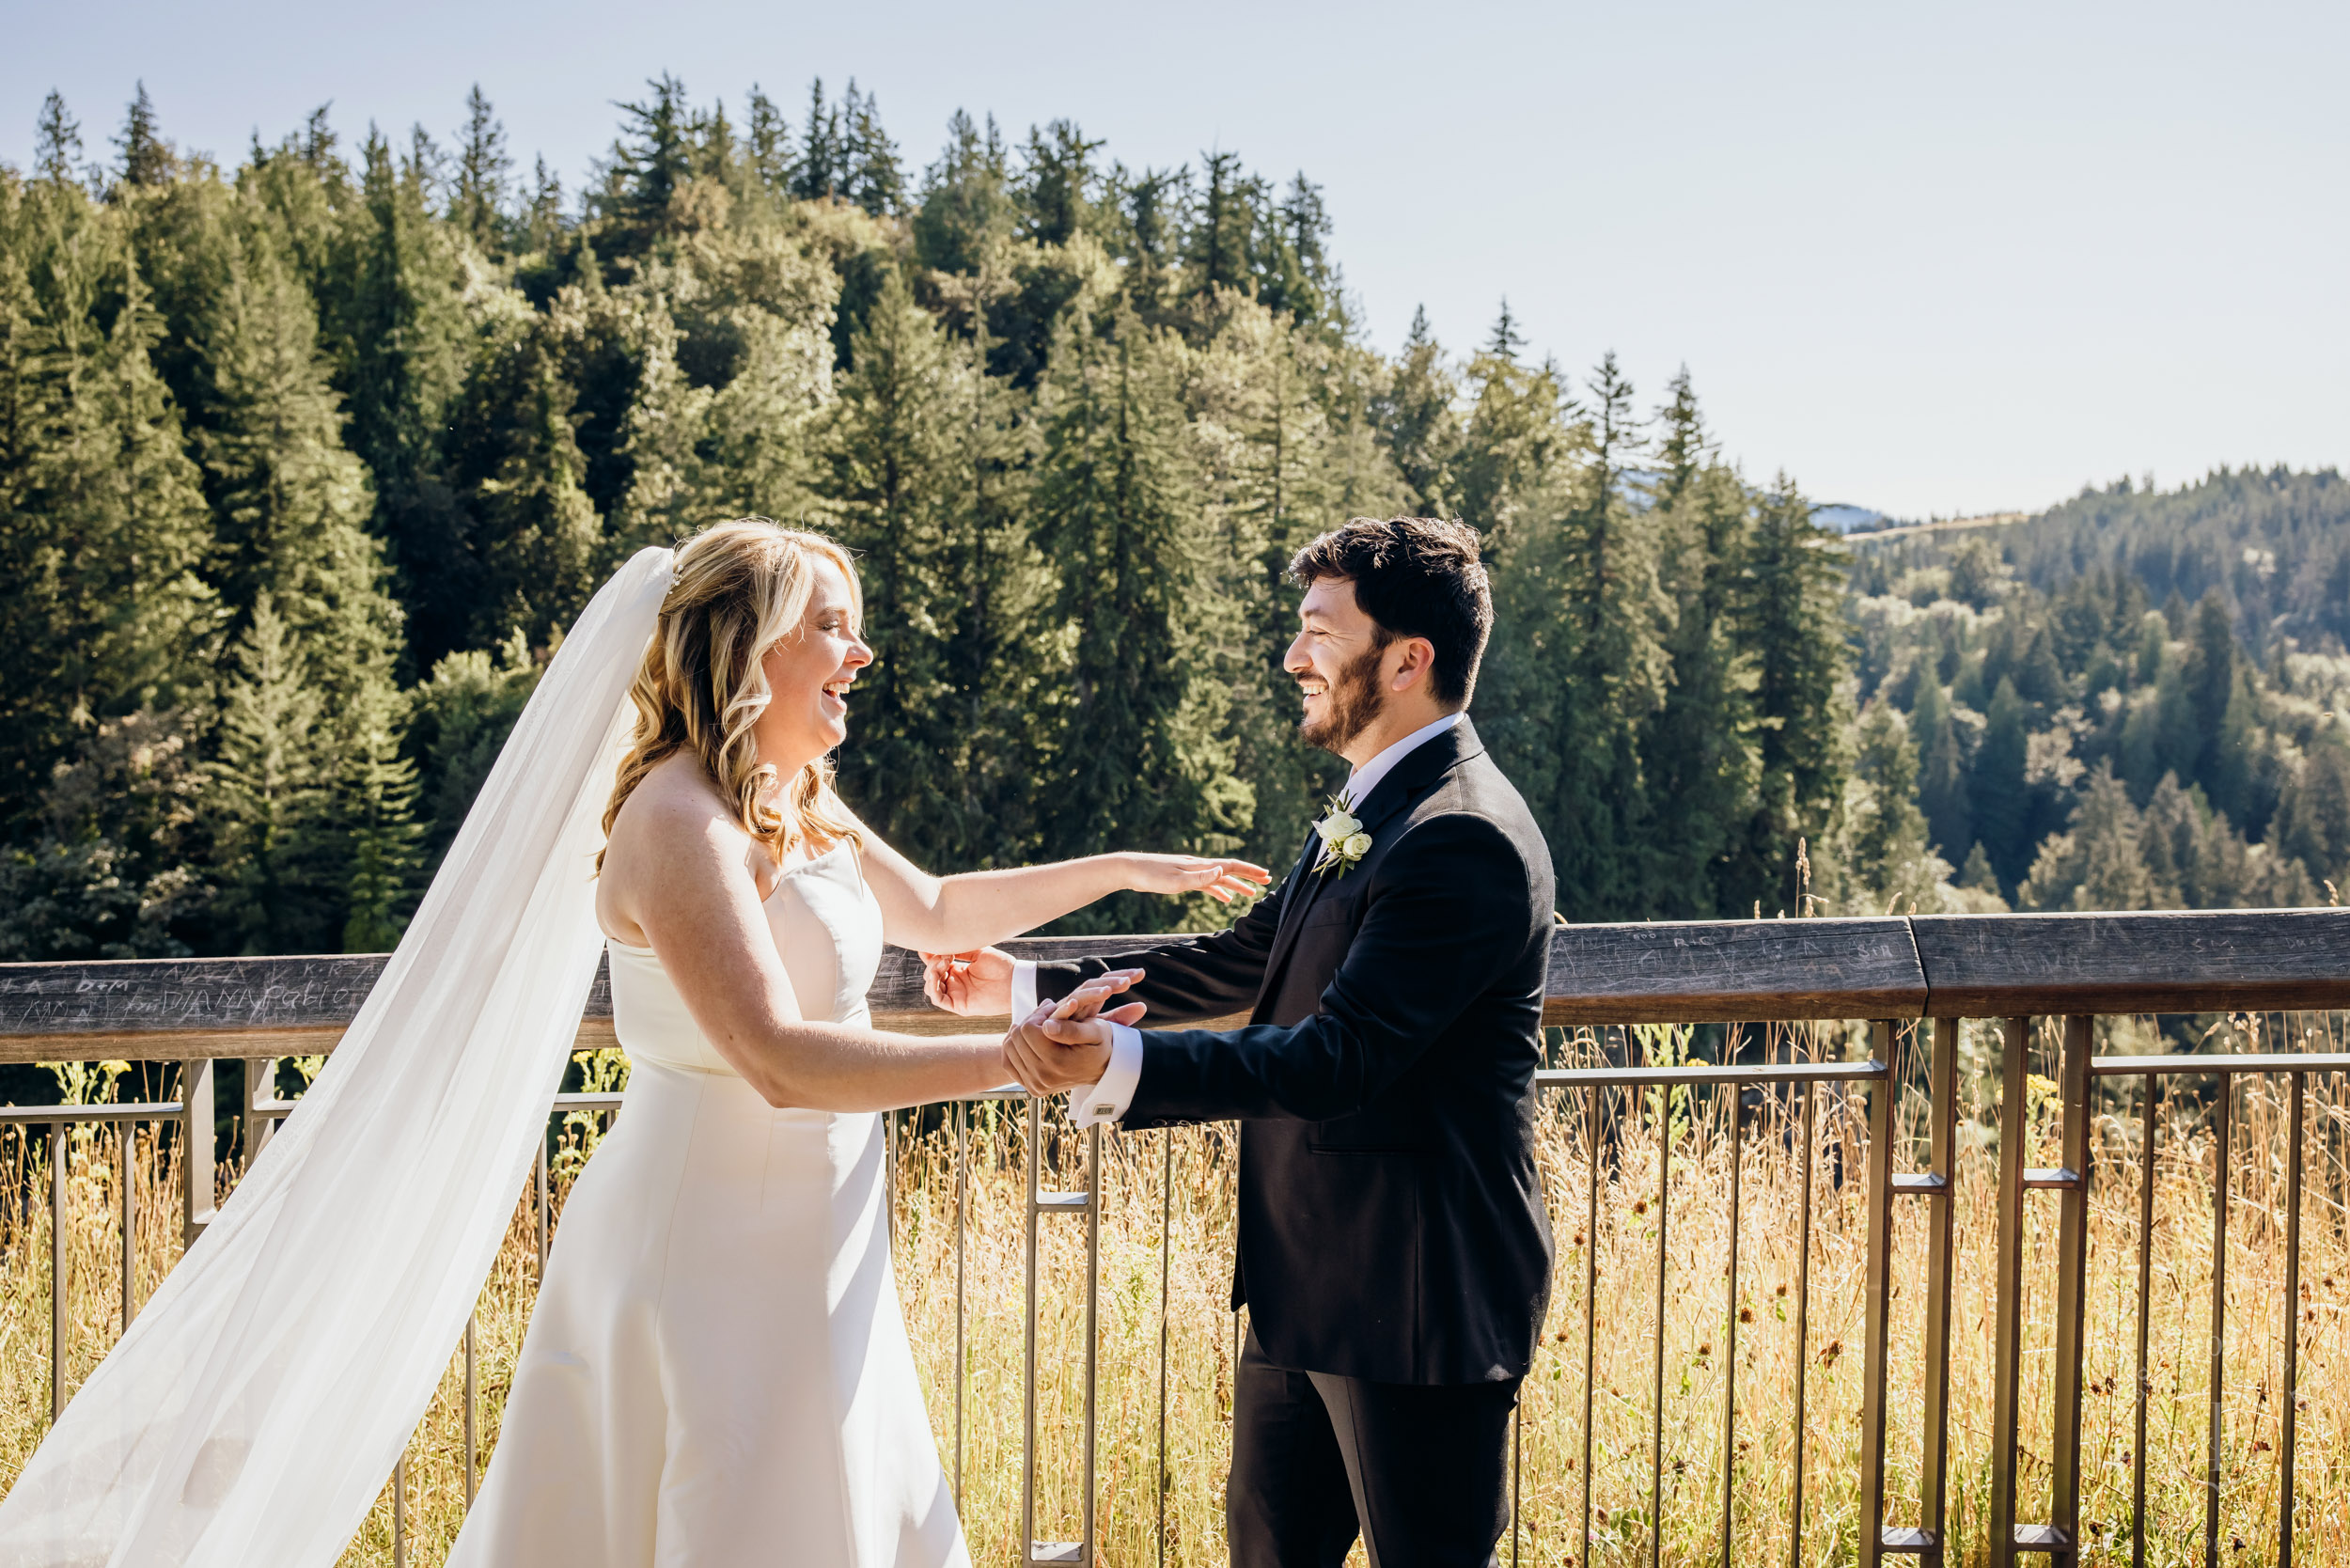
<point x="1391" y="1221"/>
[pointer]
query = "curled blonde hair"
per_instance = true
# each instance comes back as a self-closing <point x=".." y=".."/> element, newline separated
<point x="740" y="588"/>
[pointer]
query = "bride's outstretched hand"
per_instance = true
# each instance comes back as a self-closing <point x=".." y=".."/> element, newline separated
<point x="1221" y="879"/>
<point x="1065" y="1043"/>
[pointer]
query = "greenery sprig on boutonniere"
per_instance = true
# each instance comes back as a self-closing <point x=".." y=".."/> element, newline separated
<point x="1343" y="841"/>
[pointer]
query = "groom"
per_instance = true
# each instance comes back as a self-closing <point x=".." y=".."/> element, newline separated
<point x="1394" y="1250"/>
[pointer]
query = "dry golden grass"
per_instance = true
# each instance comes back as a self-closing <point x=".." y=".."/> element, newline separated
<point x="1188" y="1176"/>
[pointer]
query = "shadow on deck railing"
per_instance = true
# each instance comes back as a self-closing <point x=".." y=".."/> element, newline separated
<point x="1762" y="982"/>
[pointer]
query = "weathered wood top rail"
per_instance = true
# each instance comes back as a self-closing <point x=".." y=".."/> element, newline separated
<point x="1703" y="971"/>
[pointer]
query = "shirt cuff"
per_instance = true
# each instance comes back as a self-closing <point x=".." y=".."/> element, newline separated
<point x="1022" y="990"/>
<point x="1107" y="1099"/>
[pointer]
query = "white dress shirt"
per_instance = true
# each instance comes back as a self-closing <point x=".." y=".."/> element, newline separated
<point x="1107" y="1099"/>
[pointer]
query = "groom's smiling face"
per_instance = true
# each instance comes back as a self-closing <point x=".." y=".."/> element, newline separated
<point x="1335" y="661"/>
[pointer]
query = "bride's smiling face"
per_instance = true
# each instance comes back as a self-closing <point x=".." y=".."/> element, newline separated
<point x="809" y="675"/>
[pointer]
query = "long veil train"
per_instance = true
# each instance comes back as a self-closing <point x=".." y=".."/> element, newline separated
<point x="250" y="1416"/>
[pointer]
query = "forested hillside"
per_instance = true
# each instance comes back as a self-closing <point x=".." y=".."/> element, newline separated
<point x="2132" y="701"/>
<point x="304" y="464"/>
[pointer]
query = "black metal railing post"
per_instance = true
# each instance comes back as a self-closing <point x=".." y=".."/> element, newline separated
<point x="1878" y="1303"/>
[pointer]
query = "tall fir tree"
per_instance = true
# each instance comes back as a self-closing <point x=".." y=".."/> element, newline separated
<point x="1700" y="746"/>
<point x="399" y="335"/>
<point x="101" y="515"/>
<point x="269" y="799"/>
<point x="147" y="157"/>
<point x="1138" y="757"/>
<point x="1419" y="419"/>
<point x="477" y="202"/>
<point x="1790" y="627"/>
<point x="890" y="446"/>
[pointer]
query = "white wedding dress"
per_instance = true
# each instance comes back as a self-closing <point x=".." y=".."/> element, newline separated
<point x="717" y="1373"/>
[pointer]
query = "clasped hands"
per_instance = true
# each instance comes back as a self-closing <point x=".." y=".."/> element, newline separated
<point x="1060" y="1045"/>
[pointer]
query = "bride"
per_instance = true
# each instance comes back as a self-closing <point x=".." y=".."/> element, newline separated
<point x="716" y="1372"/>
<point x="716" y="1365"/>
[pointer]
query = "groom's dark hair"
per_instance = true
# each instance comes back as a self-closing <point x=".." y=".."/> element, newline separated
<point x="1414" y="577"/>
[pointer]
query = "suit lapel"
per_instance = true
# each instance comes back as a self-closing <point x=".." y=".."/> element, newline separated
<point x="1427" y="762"/>
<point x="1303" y="884"/>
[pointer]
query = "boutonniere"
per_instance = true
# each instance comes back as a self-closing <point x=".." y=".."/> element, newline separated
<point x="1343" y="841"/>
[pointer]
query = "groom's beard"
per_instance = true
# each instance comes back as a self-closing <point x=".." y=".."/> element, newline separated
<point x="1352" y="703"/>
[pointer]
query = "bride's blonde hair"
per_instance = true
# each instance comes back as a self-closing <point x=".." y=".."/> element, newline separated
<point x="740" y="588"/>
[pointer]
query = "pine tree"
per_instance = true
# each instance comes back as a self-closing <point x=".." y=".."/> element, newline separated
<point x="534" y="543"/>
<point x="1057" y="182"/>
<point x="889" y="441"/>
<point x="293" y="503"/>
<point x="1609" y="668"/>
<point x="823" y="168"/>
<point x="876" y="178"/>
<point x="1507" y="342"/>
<point x="1942" y="782"/>
<point x="767" y="147"/>
<point x="399" y="333"/>
<point x="1790" y="628"/>
<point x="101" y="517"/>
<point x="1220" y="241"/>
<point x="375" y="813"/>
<point x="478" y="204"/>
<point x="543" y="216"/>
<point x="1420" y="422"/>
<point x="650" y="160"/>
<point x="56" y="141"/>
<point x="966" y="208"/>
<point x="1138" y="756"/>
<point x="998" y="656"/>
<point x="1700" y="748"/>
<point x="1887" y="862"/>
<point x="269" y="799"/>
<point x="1998" y="788"/>
<point x="147" y="157"/>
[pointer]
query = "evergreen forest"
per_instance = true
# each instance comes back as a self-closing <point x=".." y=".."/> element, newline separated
<point x="305" y="464"/>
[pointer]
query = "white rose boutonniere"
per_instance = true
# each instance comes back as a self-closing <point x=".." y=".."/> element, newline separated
<point x="1343" y="841"/>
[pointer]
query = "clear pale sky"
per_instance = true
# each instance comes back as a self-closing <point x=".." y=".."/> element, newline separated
<point x="1928" y="258"/>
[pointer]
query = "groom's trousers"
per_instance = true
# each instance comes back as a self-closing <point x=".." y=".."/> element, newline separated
<point x="1418" y="1471"/>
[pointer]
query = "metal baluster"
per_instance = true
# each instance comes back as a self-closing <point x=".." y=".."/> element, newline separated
<point x="2220" y="1116"/>
<point x="2007" y="1312"/>
<point x="1657" y="1390"/>
<point x="1590" y="1298"/>
<point x="539" y="1186"/>
<point x="195" y="1159"/>
<point x="2145" y="1313"/>
<point x="963" y="1136"/>
<point x="1517" y="1471"/>
<point x="1730" y="1346"/>
<point x="2064" y="1503"/>
<point x="1039" y="1202"/>
<point x="261" y="1073"/>
<point x="1093" y="1312"/>
<point x="470" y="1401"/>
<point x="1803" y="1314"/>
<point x="130" y="1223"/>
<point x="399" y="1512"/>
<point x="2293" y="1324"/>
<point x="1940" y="1276"/>
<point x="60" y="1279"/>
<point x="1877" y="1307"/>
<point x="1167" y="1232"/>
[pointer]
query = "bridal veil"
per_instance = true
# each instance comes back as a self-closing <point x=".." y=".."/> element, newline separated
<point x="251" y="1413"/>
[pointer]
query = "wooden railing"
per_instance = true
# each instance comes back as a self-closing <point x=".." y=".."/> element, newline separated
<point x="1921" y="974"/>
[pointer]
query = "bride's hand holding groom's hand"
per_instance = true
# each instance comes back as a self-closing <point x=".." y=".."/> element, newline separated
<point x="1067" y="1044"/>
